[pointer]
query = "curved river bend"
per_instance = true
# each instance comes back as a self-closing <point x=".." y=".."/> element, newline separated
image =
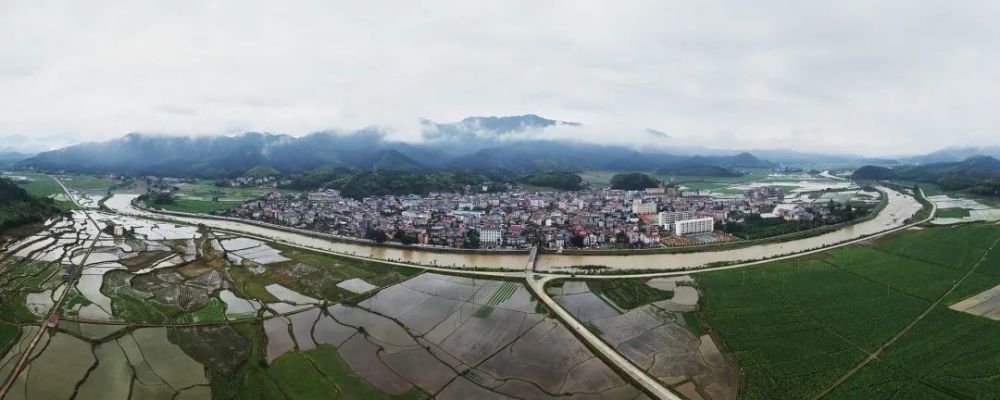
<point x="900" y="207"/>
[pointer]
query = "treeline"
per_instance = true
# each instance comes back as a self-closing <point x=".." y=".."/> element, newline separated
<point x="557" y="180"/>
<point x="17" y="207"/>
<point x="753" y="226"/>
<point x="633" y="181"/>
<point x="978" y="175"/>
<point x="359" y="184"/>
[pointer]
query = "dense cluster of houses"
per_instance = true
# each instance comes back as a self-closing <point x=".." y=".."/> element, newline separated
<point x="513" y="219"/>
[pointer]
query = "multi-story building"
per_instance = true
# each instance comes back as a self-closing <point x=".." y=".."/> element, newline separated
<point x="693" y="226"/>
<point x="640" y="207"/>
<point x="491" y="237"/>
<point x="667" y="218"/>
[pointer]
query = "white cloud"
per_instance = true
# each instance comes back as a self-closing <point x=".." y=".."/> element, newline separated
<point x="879" y="78"/>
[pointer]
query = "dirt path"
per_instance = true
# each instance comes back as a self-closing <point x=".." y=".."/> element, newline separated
<point x="875" y="355"/>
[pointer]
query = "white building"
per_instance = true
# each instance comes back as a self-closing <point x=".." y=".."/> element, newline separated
<point x="667" y="218"/>
<point x="640" y="207"/>
<point x="491" y="237"/>
<point x="694" y="226"/>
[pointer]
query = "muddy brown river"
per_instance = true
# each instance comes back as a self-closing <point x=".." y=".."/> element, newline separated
<point x="900" y="207"/>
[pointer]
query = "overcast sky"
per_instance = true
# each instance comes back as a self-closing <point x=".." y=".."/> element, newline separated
<point x="884" y="77"/>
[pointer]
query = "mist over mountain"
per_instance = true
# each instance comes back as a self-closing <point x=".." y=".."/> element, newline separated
<point x="9" y="158"/>
<point x="953" y="154"/>
<point x="476" y="143"/>
<point x="512" y="143"/>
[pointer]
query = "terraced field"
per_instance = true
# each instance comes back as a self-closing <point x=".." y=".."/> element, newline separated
<point x="798" y="328"/>
<point x="181" y="312"/>
<point x="169" y="311"/>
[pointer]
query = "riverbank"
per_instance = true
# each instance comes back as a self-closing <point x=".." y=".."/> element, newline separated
<point x="898" y="208"/>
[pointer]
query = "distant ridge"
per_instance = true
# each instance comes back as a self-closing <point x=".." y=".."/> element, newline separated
<point x="472" y="144"/>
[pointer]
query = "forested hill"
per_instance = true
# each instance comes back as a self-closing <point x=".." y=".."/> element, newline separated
<point x="980" y="175"/>
<point x="512" y="145"/>
<point x="17" y="207"/>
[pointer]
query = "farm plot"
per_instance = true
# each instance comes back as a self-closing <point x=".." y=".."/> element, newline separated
<point x="448" y="337"/>
<point x="797" y="326"/>
<point x="962" y="210"/>
<point x="651" y="331"/>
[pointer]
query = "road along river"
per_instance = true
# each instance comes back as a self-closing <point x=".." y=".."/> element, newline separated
<point x="899" y="207"/>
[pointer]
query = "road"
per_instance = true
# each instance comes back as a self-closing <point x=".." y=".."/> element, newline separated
<point x="648" y="383"/>
<point x="22" y="362"/>
<point x="536" y="282"/>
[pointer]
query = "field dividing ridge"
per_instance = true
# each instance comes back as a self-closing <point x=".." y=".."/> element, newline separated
<point x="875" y="355"/>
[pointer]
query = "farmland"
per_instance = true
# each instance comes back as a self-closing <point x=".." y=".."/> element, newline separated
<point x="206" y="197"/>
<point x="650" y="322"/>
<point x="178" y="311"/>
<point x="797" y="326"/>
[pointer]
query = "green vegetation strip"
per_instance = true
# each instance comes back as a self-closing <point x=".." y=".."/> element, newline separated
<point x="628" y="293"/>
<point x="952" y="213"/>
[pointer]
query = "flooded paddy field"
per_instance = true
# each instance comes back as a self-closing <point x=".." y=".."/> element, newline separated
<point x="957" y="210"/>
<point x="652" y="323"/>
<point x="168" y="311"/>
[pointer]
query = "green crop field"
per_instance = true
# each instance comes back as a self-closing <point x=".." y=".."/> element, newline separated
<point x="87" y="182"/>
<point x="952" y="213"/>
<point x="198" y="206"/>
<point x="207" y="191"/>
<point x="797" y="326"/>
<point x="43" y="186"/>
<point x="628" y="293"/>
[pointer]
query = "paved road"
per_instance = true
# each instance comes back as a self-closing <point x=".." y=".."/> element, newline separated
<point x="636" y="374"/>
<point x="536" y="282"/>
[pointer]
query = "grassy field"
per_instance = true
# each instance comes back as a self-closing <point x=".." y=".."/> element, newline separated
<point x="328" y="271"/>
<point x="797" y="326"/>
<point x="600" y="179"/>
<point x="205" y="197"/>
<point x="87" y="182"/>
<point x="198" y="206"/>
<point x="319" y="373"/>
<point x="952" y="213"/>
<point x="930" y="189"/>
<point x="43" y="186"/>
<point x="628" y="293"/>
<point x="206" y="191"/>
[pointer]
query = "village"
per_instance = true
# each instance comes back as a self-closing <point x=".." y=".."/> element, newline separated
<point x="604" y="218"/>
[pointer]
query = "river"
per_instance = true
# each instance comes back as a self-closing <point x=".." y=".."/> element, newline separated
<point x="900" y="207"/>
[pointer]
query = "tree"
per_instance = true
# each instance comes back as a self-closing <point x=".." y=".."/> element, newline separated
<point x="622" y="238"/>
<point x="471" y="239"/>
<point x="633" y="181"/>
<point x="377" y="235"/>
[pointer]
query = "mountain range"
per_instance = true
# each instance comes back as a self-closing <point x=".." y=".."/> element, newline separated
<point x="511" y="143"/>
<point x="473" y="144"/>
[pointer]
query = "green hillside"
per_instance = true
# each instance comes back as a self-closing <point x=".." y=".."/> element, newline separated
<point x="17" y="207"/>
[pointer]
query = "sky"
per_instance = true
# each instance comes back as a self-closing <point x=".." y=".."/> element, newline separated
<point x="872" y="78"/>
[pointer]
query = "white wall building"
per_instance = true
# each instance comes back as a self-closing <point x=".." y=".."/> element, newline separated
<point x="640" y="207"/>
<point x="667" y="218"/>
<point x="491" y="237"/>
<point x="694" y="226"/>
